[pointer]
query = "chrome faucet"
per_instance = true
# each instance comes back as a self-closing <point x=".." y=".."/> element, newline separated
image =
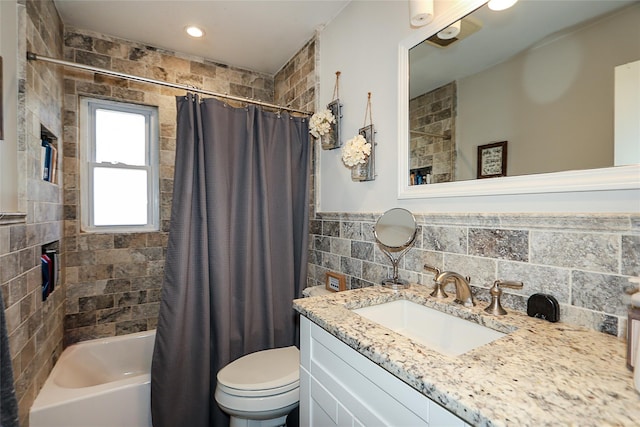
<point x="463" y="290"/>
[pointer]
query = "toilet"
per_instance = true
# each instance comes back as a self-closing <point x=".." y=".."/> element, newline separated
<point x="261" y="388"/>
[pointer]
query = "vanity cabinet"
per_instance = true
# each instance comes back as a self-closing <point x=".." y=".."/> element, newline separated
<point x="341" y="387"/>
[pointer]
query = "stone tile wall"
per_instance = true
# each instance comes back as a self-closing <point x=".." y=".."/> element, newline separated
<point x="114" y="280"/>
<point x="296" y="85"/>
<point x="34" y="327"/>
<point x="584" y="261"/>
<point x="435" y="113"/>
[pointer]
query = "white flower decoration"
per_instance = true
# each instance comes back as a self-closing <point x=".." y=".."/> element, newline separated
<point x="320" y="123"/>
<point x="355" y="151"/>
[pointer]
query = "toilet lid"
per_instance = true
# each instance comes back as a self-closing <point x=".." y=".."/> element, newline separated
<point x="267" y="369"/>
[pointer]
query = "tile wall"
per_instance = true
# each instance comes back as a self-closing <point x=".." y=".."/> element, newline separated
<point x="114" y="279"/>
<point x="434" y="113"/>
<point x="584" y="261"/>
<point x="296" y="85"/>
<point x="34" y="327"/>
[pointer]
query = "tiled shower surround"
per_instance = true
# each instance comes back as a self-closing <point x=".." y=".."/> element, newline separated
<point x="584" y="261"/>
<point x="114" y="279"/>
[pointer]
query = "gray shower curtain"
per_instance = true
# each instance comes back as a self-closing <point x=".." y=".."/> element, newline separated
<point x="237" y="251"/>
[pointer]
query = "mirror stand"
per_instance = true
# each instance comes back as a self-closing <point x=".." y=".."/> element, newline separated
<point x="395" y="282"/>
<point x="395" y="231"/>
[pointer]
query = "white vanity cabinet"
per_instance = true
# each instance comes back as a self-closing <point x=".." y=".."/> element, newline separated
<point x="340" y="387"/>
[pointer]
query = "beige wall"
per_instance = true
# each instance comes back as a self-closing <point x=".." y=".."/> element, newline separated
<point x="553" y="103"/>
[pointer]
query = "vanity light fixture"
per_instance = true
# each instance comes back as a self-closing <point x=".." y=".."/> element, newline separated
<point x="195" y="32"/>
<point x="501" y="4"/>
<point x="451" y="31"/>
<point x="420" y="12"/>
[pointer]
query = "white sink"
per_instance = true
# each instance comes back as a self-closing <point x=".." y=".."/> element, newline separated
<point x="434" y="329"/>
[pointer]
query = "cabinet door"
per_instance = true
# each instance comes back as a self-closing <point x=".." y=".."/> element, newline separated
<point x="340" y="387"/>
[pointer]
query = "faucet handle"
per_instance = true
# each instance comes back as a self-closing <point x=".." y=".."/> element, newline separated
<point x="513" y="284"/>
<point x="434" y="270"/>
<point x="495" y="307"/>
<point x="438" y="289"/>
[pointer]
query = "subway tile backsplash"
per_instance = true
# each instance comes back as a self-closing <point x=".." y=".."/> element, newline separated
<point x="584" y="261"/>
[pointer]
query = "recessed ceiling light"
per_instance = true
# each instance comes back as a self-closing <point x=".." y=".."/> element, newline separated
<point x="501" y="4"/>
<point x="194" y="31"/>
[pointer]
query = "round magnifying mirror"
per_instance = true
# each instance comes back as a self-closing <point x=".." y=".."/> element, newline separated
<point x="395" y="230"/>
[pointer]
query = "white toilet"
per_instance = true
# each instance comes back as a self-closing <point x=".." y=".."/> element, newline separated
<point x="261" y="388"/>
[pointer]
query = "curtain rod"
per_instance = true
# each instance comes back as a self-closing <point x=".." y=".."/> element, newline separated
<point x="35" y="57"/>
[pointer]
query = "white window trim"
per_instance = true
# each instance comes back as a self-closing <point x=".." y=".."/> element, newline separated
<point x="88" y="107"/>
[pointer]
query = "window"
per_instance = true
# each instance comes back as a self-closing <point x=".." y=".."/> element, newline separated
<point x="119" y="166"/>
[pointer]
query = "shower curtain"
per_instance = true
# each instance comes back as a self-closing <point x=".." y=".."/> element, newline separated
<point x="237" y="251"/>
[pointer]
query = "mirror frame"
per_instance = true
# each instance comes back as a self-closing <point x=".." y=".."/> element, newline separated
<point x="612" y="178"/>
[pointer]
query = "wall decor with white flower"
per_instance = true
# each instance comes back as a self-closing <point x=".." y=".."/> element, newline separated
<point x="325" y="124"/>
<point x="358" y="153"/>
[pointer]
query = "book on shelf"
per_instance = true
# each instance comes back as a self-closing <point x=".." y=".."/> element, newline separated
<point x="53" y="268"/>
<point x="49" y="161"/>
<point x="46" y="276"/>
<point x="53" y="175"/>
<point x="46" y="159"/>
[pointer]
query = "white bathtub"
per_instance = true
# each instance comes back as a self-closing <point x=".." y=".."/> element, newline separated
<point x="99" y="383"/>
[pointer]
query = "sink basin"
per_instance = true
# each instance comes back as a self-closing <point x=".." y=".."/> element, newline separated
<point x="434" y="329"/>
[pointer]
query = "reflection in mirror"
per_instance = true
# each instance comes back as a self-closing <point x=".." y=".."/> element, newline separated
<point x="540" y="75"/>
<point x="395" y="231"/>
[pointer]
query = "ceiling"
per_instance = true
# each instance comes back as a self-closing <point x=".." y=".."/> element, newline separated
<point x="259" y="35"/>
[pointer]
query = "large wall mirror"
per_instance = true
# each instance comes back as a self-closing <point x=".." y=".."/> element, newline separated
<point x="524" y="96"/>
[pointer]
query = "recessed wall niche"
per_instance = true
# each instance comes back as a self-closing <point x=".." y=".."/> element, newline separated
<point x="50" y="264"/>
<point x="48" y="155"/>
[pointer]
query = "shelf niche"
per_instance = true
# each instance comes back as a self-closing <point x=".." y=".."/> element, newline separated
<point x="49" y="155"/>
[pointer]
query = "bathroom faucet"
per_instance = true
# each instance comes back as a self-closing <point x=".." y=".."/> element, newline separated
<point x="463" y="290"/>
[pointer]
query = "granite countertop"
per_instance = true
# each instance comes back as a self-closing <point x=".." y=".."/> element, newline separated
<point x="541" y="373"/>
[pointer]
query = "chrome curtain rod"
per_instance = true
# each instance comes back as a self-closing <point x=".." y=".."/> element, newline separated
<point x="35" y="57"/>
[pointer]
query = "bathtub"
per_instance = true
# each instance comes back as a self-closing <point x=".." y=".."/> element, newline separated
<point x="99" y="383"/>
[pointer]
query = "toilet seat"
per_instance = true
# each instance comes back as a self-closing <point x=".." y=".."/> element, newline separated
<point x="263" y="373"/>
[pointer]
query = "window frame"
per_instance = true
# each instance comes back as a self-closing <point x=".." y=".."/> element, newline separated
<point x="88" y="108"/>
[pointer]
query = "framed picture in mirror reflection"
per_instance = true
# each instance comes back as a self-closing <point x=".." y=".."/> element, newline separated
<point x="492" y="160"/>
